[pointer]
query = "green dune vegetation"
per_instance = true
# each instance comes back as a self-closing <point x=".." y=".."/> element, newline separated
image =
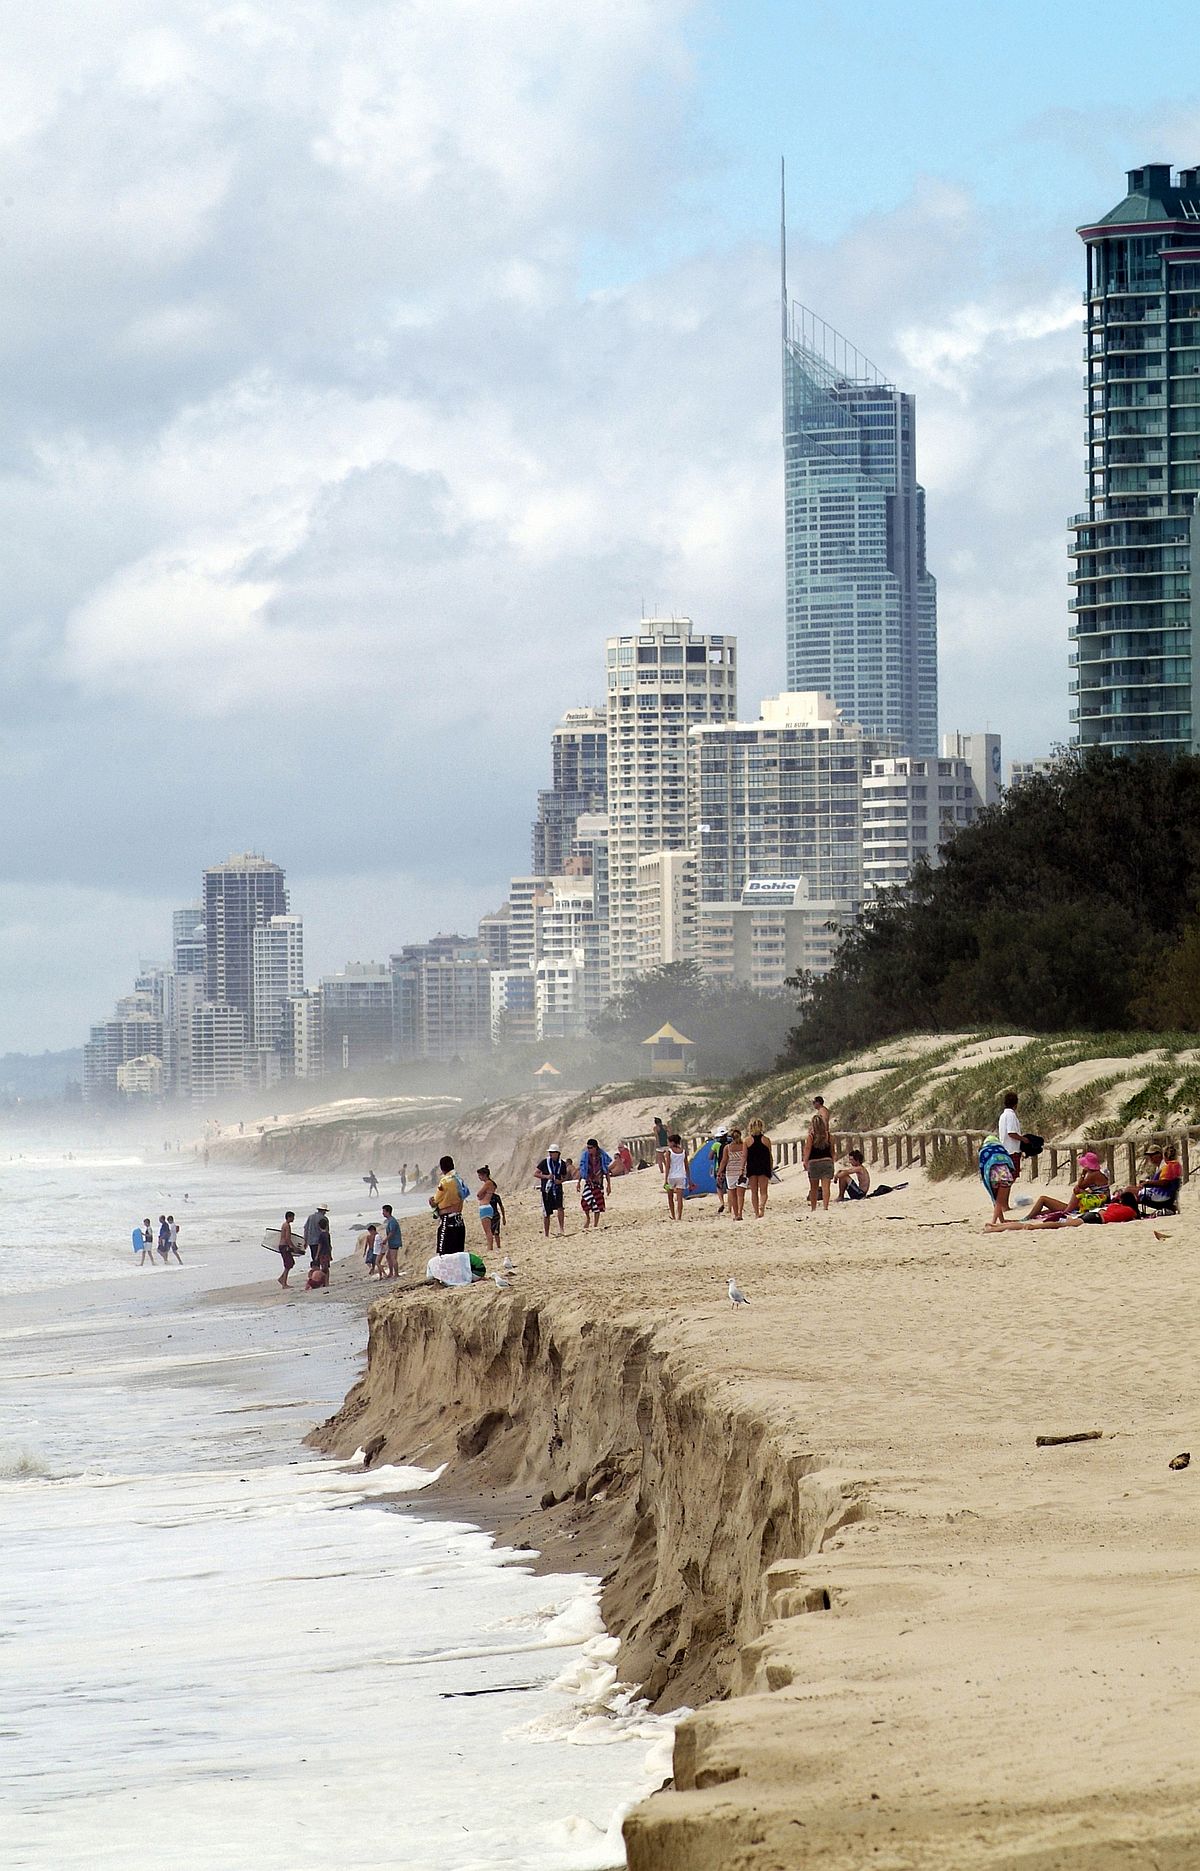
<point x="1071" y="907"/>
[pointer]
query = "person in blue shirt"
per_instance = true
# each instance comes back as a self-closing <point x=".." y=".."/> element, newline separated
<point x="392" y="1243"/>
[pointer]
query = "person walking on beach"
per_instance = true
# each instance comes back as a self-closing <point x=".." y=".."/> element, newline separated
<point x="372" y="1182"/>
<point x="733" y="1168"/>
<point x="594" y="1181"/>
<point x="289" y="1247"/>
<point x="818" y="1155"/>
<point x="164" y="1240"/>
<point x="392" y="1243"/>
<point x="404" y="1178"/>
<point x="173" y="1234"/>
<point x="143" y="1244"/>
<point x="447" y="1204"/>
<point x="1008" y="1129"/>
<point x="312" y="1231"/>
<point x="661" y="1145"/>
<point x="759" y="1164"/>
<point x="550" y="1175"/>
<point x="679" y="1176"/>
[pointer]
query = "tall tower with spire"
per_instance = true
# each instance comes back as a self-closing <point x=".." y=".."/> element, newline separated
<point x="861" y="602"/>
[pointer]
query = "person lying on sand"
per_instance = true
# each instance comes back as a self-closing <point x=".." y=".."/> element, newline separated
<point x="1123" y="1207"/>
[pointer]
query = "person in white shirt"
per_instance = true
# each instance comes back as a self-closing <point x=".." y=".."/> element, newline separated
<point x="1009" y="1130"/>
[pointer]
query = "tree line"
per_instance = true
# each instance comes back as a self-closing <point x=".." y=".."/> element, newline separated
<point x="1072" y="905"/>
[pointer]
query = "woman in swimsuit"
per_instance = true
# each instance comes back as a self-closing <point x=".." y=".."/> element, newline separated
<point x="487" y="1198"/>
<point x="760" y="1162"/>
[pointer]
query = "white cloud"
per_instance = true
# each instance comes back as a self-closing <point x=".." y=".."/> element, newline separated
<point x="328" y="476"/>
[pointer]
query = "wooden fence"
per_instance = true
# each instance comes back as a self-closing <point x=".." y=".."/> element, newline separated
<point x="901" y="1149"/>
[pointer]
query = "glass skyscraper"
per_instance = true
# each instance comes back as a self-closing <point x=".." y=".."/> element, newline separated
<point x="1136" y="549"/>
<point x="861" y="604"/>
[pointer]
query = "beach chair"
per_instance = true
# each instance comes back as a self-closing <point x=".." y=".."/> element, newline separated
<point x="1161" y="1198"/>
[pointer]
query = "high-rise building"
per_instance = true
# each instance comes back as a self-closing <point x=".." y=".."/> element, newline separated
<point x="304" y="1048"/>
<point x="240" y="896"/>
<point x="356" y="1016"/>
<point x="775" y="930"/>
<point x="911" y="807"/>
<point x="441" y="998"/>
<point x="1136" y="548"/>
<point x="218" y="1051"/>
<point x="861" y="603"/>
<point x="495" y="930"/>
<point x="188" y="939"/>
<point x="668" y="921"/>
<point x="278" y="947"/>
<point x="781" y="797"/>
<point x="663" y="679"/>
<point x="579" y="783"/>
<point x="134" y="1032"/>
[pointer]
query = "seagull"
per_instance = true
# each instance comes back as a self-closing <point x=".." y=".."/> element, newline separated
<point x="510" y="1265"/>
<point x="736" y="1296"/>
<point x="503" y="1284"/>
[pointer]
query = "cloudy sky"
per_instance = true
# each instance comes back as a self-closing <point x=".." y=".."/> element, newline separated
<point x="366" y="361"/>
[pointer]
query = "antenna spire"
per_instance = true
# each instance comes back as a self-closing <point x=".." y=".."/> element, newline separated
<point x="783" y="298"/>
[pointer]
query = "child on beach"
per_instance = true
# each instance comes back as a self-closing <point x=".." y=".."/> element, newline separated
<point x="679" y="1176"/>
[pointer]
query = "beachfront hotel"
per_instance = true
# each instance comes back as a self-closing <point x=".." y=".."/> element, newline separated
<point x="861" y="602"/>
<point x="663" y="679"/>
<point x="1136" y="547"/>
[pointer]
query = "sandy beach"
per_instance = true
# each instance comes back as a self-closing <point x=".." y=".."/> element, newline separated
<point x="913" y="1637"/>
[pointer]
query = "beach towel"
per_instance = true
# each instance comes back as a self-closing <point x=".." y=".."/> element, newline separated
<point x="450" y="1269"/>
<point x="995" y="1164"/>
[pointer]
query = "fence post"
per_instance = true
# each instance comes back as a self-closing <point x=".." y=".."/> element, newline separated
<point x="1110" y="1161"/>
<point x="874" y="1148"/>
<point x="885" y="1153"/>
<point x="1130" y="1162"/>
<point x="1053" y="1161"/>
<point x="1073" y="1160"/>
<point x="923" y="1142"/>
<point x="1183" y="1157"/>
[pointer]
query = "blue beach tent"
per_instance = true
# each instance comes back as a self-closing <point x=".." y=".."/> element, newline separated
<point x="704" y="1173"/>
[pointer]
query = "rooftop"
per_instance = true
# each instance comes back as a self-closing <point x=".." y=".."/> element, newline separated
<point x="1154" y="195"/>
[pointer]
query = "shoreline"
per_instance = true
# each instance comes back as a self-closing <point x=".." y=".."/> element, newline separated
<point x="859" y="1443"/>
<point x="217" y="1359"/>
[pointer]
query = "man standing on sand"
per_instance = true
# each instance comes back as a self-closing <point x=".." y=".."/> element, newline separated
<point x="550" y="1174"/>
<point x="447" y="1204"/>
<point x="287" y="1245"/>
<point x="404" y="1178"/>
<point x="312" y="1231"/>
<point x="372" y="1182"/>
<point x="143" y="1244"/>
<point x="1009" y="1131"/>
<point x="173" y="1232"/>
<point x="660" y="1146"/>
<point x="392" y="1243"/>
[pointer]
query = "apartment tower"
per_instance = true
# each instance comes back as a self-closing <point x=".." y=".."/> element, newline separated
<point x="663" y="679"/>
<point x="1136" y="548"/>
<point x="240" y="896"/>
<point x="861" y="602"/>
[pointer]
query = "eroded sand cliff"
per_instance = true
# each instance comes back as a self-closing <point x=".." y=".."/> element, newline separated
<point x="922" y="1641"/>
